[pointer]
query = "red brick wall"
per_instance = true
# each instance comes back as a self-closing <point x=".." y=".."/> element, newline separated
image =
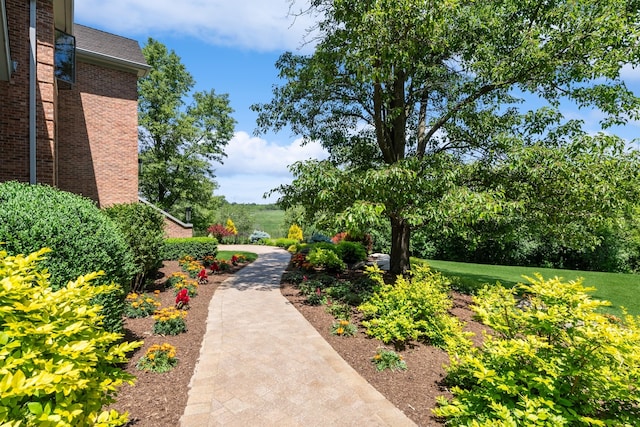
<point x="14" y="96"/>
<point x="98" y="135"/>
<point x="173" y="229"/>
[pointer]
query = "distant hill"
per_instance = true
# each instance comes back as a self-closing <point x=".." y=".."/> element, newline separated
<point x="267" y="218"/>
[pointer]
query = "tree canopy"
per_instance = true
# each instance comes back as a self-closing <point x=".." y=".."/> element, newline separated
<point x="405" y="93"/>
<point x="179" y="141"/>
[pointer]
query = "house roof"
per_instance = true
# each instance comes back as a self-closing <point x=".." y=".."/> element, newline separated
<point x="108" y="49"/>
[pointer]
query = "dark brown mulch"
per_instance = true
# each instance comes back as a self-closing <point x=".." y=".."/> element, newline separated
<point x="413" y="391"/>
<point x="159" y="400"/>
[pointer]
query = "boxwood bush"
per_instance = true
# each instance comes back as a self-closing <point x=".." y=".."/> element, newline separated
<point x="143" y="228"/>
<point x="81" y="237"/>
<point x="197" y="247"/>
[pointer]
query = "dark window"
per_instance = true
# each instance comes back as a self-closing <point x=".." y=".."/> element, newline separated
<point x="65" y="57"/>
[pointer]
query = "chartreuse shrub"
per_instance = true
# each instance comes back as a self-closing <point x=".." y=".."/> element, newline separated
<point x="58" y="366"/>
<point x="414" y="308"/>
<point x="554" y="360"/>
<point x="324" y="258"/>
<point x="295" y="233"/>
<point x="143" y="229"/>
<point x="81" y="237"/>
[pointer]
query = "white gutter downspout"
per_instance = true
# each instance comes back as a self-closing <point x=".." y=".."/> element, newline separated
<point x="32" y="91"/>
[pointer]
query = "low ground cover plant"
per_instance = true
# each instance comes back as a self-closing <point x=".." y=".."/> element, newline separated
<point x="388" y="359"/>
<point x="554" y="360"/>
<point x="58" y="365"/>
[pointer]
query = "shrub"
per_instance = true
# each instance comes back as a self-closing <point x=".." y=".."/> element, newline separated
<point x="351" y="252"/>
<point x="295" y="233"/>
<point x="58" y="365"/>
<point x="143" y="228"/>
<point x="258" y="235"/>
<point x="317" y="237"/>
<point x="412" y="309"/>
<point x="81" y="236"/>
<point x="219" y="231"/>
<point x="326" y="259"/>
<point x="284" y="243"/>
<point x="197" y="247"/>
<point x="231" y="227"/>
<point x="554" y="360"/>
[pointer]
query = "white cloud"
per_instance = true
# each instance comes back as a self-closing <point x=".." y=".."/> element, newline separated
<point x="263" y="25"/>
<point x="254" y="166"/>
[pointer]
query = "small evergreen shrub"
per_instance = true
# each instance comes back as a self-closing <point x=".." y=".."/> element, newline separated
<point x="258" y="235"/>
<point x="58" y="365"/>
<point x="197" y="247"/>
<point x="295" y="233"/>
<point x="317" y="237"/>
<point x="81" y="237"/>
<point x="554" y="360"/>
<point x="351" y="252"/>
<point x="143" y="228"/>
<point x="412" y="309"/>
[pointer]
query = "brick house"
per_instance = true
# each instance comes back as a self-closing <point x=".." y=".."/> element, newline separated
<point x="68" y="112"/>
<point x="69" y="104"/>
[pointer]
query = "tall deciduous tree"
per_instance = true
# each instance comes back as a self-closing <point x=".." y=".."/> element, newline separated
<point x="179" y="141"/>
<point x="394" y="83"/>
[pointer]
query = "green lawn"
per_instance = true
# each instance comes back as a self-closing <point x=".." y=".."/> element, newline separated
<point x="226" y="255"/>
<point x="619" y="289"/>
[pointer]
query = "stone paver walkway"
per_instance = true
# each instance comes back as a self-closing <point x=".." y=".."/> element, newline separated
<point x="262" y="364"/>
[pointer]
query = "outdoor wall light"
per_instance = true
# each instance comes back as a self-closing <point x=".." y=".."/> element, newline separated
<point x="139" y="166"/>
<point x="187" y="214"/>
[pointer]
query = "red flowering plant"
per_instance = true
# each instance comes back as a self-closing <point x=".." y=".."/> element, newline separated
<point x="214" y="267"/>
<point x="202" y="277"/>
<point x="219" y="231"/>
<point x="182" y="299"/>
<point x="207" y="260"/>
<point x="234" y="260"/>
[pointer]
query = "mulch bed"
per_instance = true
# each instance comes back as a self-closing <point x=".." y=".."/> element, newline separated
<point x="159" y="400"/>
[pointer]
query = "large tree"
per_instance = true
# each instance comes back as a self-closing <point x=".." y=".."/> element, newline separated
<point x="402" y="91"/>
<point x="179" y="141"/>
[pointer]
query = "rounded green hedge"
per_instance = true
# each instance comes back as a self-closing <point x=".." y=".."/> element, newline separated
<point x="82" y="239"/>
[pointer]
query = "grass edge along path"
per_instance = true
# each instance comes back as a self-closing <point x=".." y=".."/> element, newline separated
<point x="621" y="290"/>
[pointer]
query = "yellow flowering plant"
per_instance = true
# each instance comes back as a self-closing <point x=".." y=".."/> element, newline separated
<point x="388" y="359"/>
<point x="169" y="321"/>
<point x="140" y="305"/>
<point x="158" y="358"/>
<point x="344" y="328"/>
<point x="189" y="284"/>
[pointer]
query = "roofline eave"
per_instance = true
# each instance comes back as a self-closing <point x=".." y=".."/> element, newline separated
<point x="140" y="69"/>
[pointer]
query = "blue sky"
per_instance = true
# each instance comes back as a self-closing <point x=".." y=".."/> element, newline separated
<point x="231" y="47"/>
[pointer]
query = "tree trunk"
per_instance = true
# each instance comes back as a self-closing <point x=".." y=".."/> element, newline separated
<point x="400" y="235"/>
